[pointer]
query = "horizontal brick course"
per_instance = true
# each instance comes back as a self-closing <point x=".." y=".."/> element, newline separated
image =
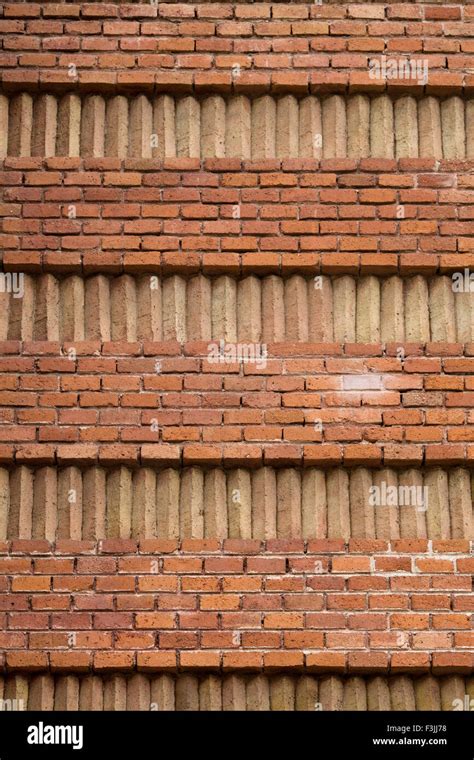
<point x="286" y="621"/>
<point x="276" y="45"/>
<point x="280" y="403"/>
<point x="425" y="238"/>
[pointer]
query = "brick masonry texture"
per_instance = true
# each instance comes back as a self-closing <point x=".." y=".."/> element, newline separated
<point x="340" y="209"/>
<point x="286" y="47"/>
<point x="182" y="533"/>
<point x="187" y="692"/>
<point x="97" y="502"/>
<point x="341" y="397"/>
<point x="402" y="606"/>
<point x="356" y="127"/>
<point x="284" y="312"/>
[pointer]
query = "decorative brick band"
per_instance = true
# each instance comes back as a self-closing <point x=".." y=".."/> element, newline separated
<point x="322" y="606"/>
<point x="260" y="313"/>
<point x="80" y="501"/>
<point x="265" y="127"/>
<point x="234" y="691"/>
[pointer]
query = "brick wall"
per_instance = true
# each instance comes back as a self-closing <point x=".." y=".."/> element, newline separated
<point x="365" y="410"/>
<point x="110" y="215"/>
<point x="228" y="325"/>
<point x="105" y="42"/>
<point x="369" y="606"/>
